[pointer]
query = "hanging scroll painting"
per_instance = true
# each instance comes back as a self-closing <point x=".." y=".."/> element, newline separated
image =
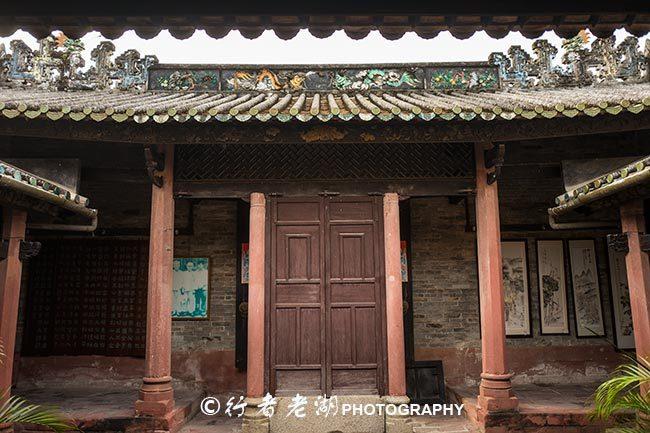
<point x="515" y="284"/>
<point x="586" y="289"/>
<point x="553" y="312"/>
<point x="244" y="263"/>
<point x="621" y="300"/>
<point x="404" y="262"/>
<point x="191" y="288"/>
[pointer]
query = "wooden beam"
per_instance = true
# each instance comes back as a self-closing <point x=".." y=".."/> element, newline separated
<point x="495" y="391"/>
<point x="242" y="189"/>
<point x="638" y="276"/>
<point x="156" y="397"/>
<point x="13" y="232"/>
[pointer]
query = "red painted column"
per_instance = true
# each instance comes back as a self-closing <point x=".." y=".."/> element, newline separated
<point x="13" y="230"/>
<point x="256" y="284"/>
<point x="394" y="315"/>
<point x="638" y="275"/>
<point x="156" y="393"/>
<point x="496" y="389"/>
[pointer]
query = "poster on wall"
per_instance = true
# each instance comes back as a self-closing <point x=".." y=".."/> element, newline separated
<point x="621" y="300"/>
<point x="404" y="261"/>
<point x="586" y="289"/>
<point x="553" y="312"/>
<point x="244" y="263"/>
<point x="190" y="292"/>
<point x="515" y="286"/>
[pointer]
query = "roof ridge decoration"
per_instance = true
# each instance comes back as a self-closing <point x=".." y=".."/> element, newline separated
<point x="580" y="66"/>
<point x="58" y="64"/>
<point x="334" y="78"/>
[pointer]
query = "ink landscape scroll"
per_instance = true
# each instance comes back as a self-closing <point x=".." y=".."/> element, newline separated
<point x="515" y="283"/>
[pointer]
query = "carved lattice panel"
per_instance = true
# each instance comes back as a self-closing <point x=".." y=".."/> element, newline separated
<point x="87" y="297"/>
<point x="323" y="161"/>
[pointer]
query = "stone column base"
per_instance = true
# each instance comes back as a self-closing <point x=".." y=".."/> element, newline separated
<point x="396" y="423"/>
<point x="156" y="397"/>
<point x="253" y="421"/>
<point x="495" y="394"/>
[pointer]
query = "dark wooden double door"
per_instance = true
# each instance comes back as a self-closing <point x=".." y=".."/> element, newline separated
<point x="326" y="297"/>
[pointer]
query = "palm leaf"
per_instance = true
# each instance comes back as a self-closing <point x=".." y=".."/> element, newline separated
<point x="18" y="410"/>
<point x="622" y="393"/>
<point x="627" y="430"/>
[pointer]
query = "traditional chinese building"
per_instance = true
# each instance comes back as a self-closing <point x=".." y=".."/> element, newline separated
<point x="432" y="232"/>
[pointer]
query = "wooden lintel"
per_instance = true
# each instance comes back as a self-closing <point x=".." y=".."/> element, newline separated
<point x="408" y="188"/>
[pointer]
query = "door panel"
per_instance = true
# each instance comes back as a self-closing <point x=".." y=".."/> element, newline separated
<point x="326" y="309"/>
<point x="354" y="295"/>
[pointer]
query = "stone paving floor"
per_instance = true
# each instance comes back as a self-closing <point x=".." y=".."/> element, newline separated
<point x="446" y="424"/>
<point x="212" y="424"/>
<point x="422" y="424"/>
<point x="555" y="398"/>
<point x="97" y="406"/>
<point x="105" y="400"/>
<point x="106" y="406"/>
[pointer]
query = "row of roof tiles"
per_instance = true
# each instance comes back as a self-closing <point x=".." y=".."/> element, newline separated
<point x="263" y="106"/>
<point x="356" y="26"/>
<point x="24" y="182"/>
<point x="609" y="183"/>
<point x="38" y="182"/>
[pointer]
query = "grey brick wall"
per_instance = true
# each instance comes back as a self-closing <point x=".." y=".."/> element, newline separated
<point x="445" y="284"/>
<point x="214" y="236"/>
<point x="445" y="289"/>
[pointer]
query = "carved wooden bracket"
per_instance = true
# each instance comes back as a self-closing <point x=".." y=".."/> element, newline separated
<point x="28" y="250"/>
<point x="494" y="159"/>
<point x="154" y="161"/>
<point x="619" y="243"/>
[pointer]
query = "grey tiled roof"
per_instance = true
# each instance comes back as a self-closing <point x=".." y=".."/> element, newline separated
<point x="161" y="107"/>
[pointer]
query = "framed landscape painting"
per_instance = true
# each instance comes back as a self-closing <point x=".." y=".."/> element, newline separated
<point x="553" y="312"/>
<point x="623" y="329"/>
<point x="191" y="289"/>
<point x="586" y="289"/>
<point x="515" y="287"/>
